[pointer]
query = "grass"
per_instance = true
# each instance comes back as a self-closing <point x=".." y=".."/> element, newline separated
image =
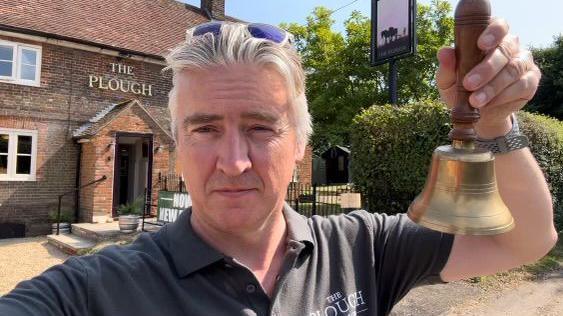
<point x="551" y="262"/>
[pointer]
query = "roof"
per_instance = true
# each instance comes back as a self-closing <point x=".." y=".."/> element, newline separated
<point x="148" y="27"/>
<point x="107" y="115"/>
<point x="332" y="151"/>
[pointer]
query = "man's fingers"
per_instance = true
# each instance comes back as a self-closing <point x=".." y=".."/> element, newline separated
<point x="493" y="34"/>
<point x="446" y="76"/>
<point x="520" y="91"/>
<point x="511" y="73"/>
<point x="493" y="63"/>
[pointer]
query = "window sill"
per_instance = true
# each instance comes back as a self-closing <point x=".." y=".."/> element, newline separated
<point x="26" y="179"/>
<point x="21" y="83"/>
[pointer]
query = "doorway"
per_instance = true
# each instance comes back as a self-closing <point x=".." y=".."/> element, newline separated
<point x="133" y="168"/>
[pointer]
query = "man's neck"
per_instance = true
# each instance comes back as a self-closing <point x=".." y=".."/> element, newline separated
<point x="261" y="250"/>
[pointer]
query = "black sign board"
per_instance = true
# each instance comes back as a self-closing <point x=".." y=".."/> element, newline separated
<point x="393" y="34"/>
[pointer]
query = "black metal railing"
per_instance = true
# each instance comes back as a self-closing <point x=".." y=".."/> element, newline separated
<point x="170" y="182"/>
<point x="167" y="182"/>
<point x="313" y="199"/>
<point x="72" y="191"/>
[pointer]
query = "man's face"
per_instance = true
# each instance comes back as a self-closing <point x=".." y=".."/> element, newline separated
<point x="236" y="145"/>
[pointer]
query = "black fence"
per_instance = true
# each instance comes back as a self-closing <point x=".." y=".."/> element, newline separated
<point x="170" y="182"/>
<point x="315" y="199"/>
<point x="307" y="199"/>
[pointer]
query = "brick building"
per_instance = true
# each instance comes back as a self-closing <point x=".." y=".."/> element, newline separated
<point x="82" y="97"/>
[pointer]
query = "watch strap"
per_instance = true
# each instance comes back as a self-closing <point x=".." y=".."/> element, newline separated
<point x="511" y="141"/>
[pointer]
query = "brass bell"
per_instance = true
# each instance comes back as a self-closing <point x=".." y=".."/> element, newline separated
<point x="461" y="194"/>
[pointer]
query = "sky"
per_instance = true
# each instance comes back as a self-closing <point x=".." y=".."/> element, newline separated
<point x="535" y="22"/>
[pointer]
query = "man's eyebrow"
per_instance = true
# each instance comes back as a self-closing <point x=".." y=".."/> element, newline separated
<point x="201" y="118"/>
<point x="261" y="116"/>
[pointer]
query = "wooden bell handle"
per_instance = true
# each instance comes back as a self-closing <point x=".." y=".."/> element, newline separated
<point x="471" y="19"/>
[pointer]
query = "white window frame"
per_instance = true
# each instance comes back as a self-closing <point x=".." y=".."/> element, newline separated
<point x="16" y="70"/>
<point x="12" y="154"/>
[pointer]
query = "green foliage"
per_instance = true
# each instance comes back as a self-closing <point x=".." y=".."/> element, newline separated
<point x="341" y="82"/>
<point x="549" y="97"/>
<point x="391" y="151"/>
<point x="67" y="216"/>
<point x="392" y="147"/>
<point x="546" y="142"/>
<point x="134" y="208"/>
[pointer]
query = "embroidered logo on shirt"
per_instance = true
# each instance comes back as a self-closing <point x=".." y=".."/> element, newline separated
<point x="341" y="304"/>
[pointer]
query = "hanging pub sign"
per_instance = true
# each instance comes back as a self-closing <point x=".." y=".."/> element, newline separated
<point x="393" y="33"/>
<point x="171" y="205"/>
<point x="114" y="83"/>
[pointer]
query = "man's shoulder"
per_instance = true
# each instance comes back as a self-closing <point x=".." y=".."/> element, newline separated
<point x="360" y="216"/>
<point x="144" y="253"/>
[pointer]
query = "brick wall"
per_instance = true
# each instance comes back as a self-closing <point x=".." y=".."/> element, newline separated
<point x="98" y="159"/>
<point x="62" y="103"/>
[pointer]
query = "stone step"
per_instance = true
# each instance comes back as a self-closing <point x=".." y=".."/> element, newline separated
<point x="97" y="231"/>
<point x="70" y="243"/>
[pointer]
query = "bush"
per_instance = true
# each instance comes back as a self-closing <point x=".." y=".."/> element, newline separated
<point x="392" y="148"/>
<point x="67" y="216"/>
<point x="546" y="142"/>
<point x="134" y="208"/>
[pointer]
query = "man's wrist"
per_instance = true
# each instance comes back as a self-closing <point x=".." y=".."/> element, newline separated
<point x="492" y="131"/>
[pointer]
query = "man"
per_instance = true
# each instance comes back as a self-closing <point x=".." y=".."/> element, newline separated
<point x="241" y="122"/>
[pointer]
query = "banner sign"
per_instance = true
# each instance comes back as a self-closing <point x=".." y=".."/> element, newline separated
<point x="171" y="205"/>
<point x="392" y="30"/>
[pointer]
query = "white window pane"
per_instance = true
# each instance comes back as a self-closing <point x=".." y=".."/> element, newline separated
<point x="6" y="52"/>
<point x="3" y="164"/>
<point x="23" y="165"/>
<point x="4" y="140"/>
<point x="6" y="68"/>
<point x="28" y="72"/>
<point x="29" y="57"/>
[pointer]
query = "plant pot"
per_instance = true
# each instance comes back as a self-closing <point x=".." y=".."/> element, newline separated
<point x="64" y="228"/>
<point x="128" y="223"/>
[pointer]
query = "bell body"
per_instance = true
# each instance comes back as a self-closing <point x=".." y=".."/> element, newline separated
<point x="461" y="195"/>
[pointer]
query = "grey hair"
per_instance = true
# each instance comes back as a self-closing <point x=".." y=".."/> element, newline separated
<point x="236" y="45"/>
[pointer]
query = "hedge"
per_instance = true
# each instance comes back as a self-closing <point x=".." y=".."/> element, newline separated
<point x="392" y="148"/>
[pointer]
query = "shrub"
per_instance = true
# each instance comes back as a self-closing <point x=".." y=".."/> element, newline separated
<point x="133" y="208"/>
<point x="67" y="216"/>
<point x="546" y="142"/>
<point x="392" y="148"/>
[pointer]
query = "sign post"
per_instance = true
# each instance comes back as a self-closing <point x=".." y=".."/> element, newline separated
<point x="393" y="36"/>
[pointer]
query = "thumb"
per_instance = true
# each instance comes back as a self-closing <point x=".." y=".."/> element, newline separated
<point x="446" y="76"/>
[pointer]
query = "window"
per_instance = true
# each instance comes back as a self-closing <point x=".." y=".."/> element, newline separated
<point x="18" y="151"/>
<point x="19" y="63"/>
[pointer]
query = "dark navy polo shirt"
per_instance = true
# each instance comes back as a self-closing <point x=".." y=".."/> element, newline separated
<point x="357" y="263"/>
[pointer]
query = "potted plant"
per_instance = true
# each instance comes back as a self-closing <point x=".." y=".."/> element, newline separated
<point x="129" y="214"/>
<point x="66" y="219"/>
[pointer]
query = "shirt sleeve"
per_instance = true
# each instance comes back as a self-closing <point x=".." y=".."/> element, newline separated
<point x="60" y="290"/>
<point x="406" y="254"/>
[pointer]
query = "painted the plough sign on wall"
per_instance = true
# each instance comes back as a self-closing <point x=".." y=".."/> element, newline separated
<point x="171" y="205"/>
<point x="392" y="27"/>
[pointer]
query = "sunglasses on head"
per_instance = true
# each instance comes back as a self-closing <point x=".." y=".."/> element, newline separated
<point x="256" y="30"/>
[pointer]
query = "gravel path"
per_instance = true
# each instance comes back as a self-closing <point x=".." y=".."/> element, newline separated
<point x="24" y="258"/>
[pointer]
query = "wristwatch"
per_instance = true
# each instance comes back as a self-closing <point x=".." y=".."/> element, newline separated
<point x="507" y="143"/>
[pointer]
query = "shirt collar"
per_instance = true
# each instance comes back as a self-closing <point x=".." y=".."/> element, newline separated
<point x="297" y="226"/>
<point x="190" y="253"/>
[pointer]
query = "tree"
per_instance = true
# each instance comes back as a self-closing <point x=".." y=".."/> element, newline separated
<point x="340" y="80"/>
<point x="549" y="97"/>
